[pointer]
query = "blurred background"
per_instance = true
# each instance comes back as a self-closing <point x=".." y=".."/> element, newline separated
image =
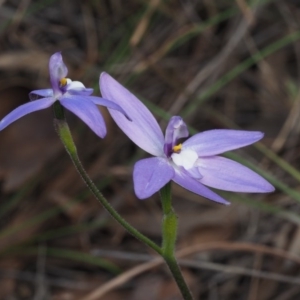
<point x="216" y="63"/>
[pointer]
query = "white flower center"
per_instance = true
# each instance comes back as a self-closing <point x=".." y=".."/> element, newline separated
<point x="75" y="85"/>
<point x="71" y="85"/>
<point x="186" y="158"/>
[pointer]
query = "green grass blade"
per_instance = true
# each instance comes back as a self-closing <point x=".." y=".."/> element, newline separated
<point x="239" y="69"/>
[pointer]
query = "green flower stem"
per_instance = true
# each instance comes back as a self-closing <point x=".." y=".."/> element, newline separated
<point x="169" y="219"/>
<point x="65" y="135"/>
<point x="169" y="232"/>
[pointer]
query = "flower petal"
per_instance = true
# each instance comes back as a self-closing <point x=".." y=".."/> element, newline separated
<point x="144" y="130"/>
<point x="175" y="130"/>
<point x="228" y="175"/>
<point x="25" y="109"/>
<point x="218" y="141"/>
<point x="150" y="175"/>
<point x="80" y="91"/>
<point x="37" y="94"/>
<point x="87" y="111"/>
<point x="78" y="88"/>
<point x="109" y="104"/>
<point x="57" y="70"/>
<point x="194" y="173"/>
<point x="196" y="187"/>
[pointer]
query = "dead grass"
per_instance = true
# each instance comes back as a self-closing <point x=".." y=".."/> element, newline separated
<point x="217" y="63"/>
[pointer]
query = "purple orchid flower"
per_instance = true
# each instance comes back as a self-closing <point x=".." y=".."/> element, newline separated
<point x="193" y="164"/>
<point x="71" y="94"/>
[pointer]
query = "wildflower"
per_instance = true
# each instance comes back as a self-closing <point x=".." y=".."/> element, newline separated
<point x="73" y="95"/>
<point x="194" y="163"/>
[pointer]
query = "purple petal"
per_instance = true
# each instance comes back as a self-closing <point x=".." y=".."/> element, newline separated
<point x="37" y="94"/>
<point x="87" y="111"/>
<point x="196" y="187"/>
<point x="228" y="175"/>
<point x="109" y="104"/>
<point x="144" y="130"/>
<point x="58" y="70"/>
<point x="194" y="173"/>
<point x="150" y="175"/>
<point x="218" y="141"/>
<point x="25" y="109"/>
<point x="175" y="130"/>
<point x="81" y="92"/>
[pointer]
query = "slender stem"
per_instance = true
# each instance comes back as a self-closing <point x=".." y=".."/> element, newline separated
<point x="176" y="272"/>
<point x="169" y="231"/>
<point x="169" y="220"/>
<point x="65" y="135"/>
<point x="166" y="199"/>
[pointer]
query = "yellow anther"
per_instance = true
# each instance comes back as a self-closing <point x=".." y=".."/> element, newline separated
<point x="177" y="148"/>
<point x="63" y="82"/>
